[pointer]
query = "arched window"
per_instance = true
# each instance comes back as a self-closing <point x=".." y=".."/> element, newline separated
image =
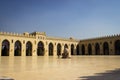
<point x="97" y="49"/>
<point x="105" y="48"/>
<point x="117" y="47"/>
<point x="72" y="49"/>
<point x="89" y="49"/>
<point x="59" y="49"/>
<point x="40" y="49"/>
<point x="78" y="49"/>
<point x="66" y="46"/>
<point x="83" y="49"/>
<point x="50" y="49"/>
<point x="17" y="48"/>
<point x="28" y="48"/>
<point x="5" y="48"/>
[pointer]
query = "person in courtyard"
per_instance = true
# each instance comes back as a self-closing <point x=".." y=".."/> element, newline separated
<point x="58" y="54"/>
<point x="65" y="53"/>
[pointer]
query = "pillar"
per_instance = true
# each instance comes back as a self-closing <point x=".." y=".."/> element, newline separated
<point x="54" y="50"/>
<point x="11" y="48"/>
<point x="46" y="49"/>
<point x="69" y="50"/>
<point x="34" y="49"/>
<point x="23" y="49"/>
<point x="62" y="49"/>
<point x="93" y="49"/>
<point x="86" y="49"/>
<point x="101" y="49"/>
<point x="80" y="48"/>
<point x="111" y="48"/>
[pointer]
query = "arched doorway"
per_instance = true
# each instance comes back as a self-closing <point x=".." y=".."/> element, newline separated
<point x="97" y="49"/>
<point x="72" y="49"/>
<point x="17" y="48"/>
<point x="66" y="46"/>
<point x="83" y="49"/>
<point x="117" y="47"/>
<point x="50" y="49"/>
<point x="106" y="48"/>
<point x="28" y="48"/>
<point x="89" y="49"/>
<point x="5" y="48"/>
<point x="40" y="49"/>
<point x="58" y="49"/>
<point x="78" y="49"/>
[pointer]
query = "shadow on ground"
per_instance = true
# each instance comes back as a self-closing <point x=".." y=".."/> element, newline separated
<point x="108" y="75"/>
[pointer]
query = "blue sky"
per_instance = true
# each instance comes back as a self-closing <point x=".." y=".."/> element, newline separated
<point x="79" y="19"/>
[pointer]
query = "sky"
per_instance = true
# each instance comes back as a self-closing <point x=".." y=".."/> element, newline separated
<point x="80" y="19"/>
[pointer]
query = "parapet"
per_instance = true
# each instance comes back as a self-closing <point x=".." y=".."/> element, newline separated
<point x="104" y="37"/>
<point x="62" y="39"/>
<point x="25" y="34"/>
<point x="38" y="33"/>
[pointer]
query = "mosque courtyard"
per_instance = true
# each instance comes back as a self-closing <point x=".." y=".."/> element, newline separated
<point x="52" y="68"/>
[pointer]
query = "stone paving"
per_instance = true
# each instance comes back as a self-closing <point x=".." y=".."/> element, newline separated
<point x="52" y="68"/>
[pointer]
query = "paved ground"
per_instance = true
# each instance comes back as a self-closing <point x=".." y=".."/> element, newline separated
<point x="109" y="75"/>
<point x="52" y="68"/>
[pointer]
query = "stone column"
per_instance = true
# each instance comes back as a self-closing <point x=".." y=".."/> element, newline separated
<point x="101" y="49"/>
<point x="93" y="49"/>
<point x="23" y="52"/>
<point x="34" y="49"/>
<point x="80" y="49"/>
<point x="111" y="49"/>
<point x="75" y="52"/>
<point x="46" y="49"/>
<point x="69" y="50"/>
<point x="11" y="48"/>
<point x="86" y="50"/>
<point x="62" y="49"/>
<point x="55" y="50"/>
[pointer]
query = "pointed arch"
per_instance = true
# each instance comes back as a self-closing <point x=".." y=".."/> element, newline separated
<point x="17" y="48"/>
<point x="50" y="47"/>
<point x="83" y="49"/>
<point x="58" y="49"/>
<point x="105" y="48"/>
<point x="89" y="49"/>
<point x="28" y="48"/>
<point x="97" y="49"/>
<point x="5" y="48"/>
<point x="117" y="47"/>
<point x="78" y="49"/>
<point x="40" y="49"/>
<point x="65" y="46"/>
<point x="72" y="49"/>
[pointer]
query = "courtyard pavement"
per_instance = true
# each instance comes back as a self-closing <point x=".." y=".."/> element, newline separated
<point x="52" y="68"/>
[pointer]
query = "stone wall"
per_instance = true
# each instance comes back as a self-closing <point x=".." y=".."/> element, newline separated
<point x="102" y="43"/>
<point x="34" y="38"/>
<point x="39" y="44"/>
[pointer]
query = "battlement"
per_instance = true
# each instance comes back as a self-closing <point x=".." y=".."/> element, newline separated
<point x="104" y="37"/>
<point x="63" y="39"/>
<point x="33" y="35"/>
<point x="26" y="34"/>
<point x="38" y="33"/>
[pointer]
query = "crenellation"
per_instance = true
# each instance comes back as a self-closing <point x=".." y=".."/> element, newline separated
<point x="40" y="38"/>
<point x="16" y="34"/>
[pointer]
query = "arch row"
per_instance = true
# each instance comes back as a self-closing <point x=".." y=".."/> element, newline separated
<point x="99" y="48"/>
<point x="42" y="48"/>
<point x="30" y="48"/>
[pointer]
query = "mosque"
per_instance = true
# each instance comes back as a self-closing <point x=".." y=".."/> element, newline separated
<point x="39" y="44"/>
